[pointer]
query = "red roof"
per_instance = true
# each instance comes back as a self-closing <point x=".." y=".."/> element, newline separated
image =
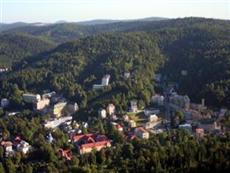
<point x="66" y="153"/>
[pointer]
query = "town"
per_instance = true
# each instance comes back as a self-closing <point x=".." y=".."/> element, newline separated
<point x="168" y="111"/>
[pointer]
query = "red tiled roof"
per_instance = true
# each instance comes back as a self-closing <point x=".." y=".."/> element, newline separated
<point x="95" y="145"/>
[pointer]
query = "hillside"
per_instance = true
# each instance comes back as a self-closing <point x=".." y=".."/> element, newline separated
<point x="15" y="47"/>
<point x="196" y="45"/>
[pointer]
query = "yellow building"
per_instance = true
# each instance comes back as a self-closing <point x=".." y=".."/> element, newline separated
<point x="58" y="109"/>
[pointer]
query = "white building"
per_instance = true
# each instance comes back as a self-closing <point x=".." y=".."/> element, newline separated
<point x="126" y="75"/>
<point x="149" y="112"/>
<point x="4" y="102"/>
<point x="31" y="98"/>
<point x="153" y="118"/>
<point x="105" y="80"/>
<point x="8" y="148"/>
<point x="23" y="147"/>
<point x="133" y="106"/>
<point x="54" y="123"/>
<point x="102" y="113"/>
<point x="110" y="109"/>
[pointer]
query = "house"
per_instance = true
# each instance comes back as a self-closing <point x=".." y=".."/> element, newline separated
<point x="199" y="132"/>
<point x="24" y="147"/>
<point x="110" y="109"/>
<point x="102" y="113"/>
<point x="141" y="133"/>
<point x="133" y="106"/>
<point x="132" y="124"/>
<point x="105" y="80"/>
<point x="50" y="138"/>
<point x="158" y="99"/>
<point x="8" y="148"/>
<point x="126" y="75"/>
<point x="67" y="154"/>
<point x="153" y="118"/>
<point x="31" y="98"/>
<point x="117" y="126"/>
<point x="41" y="104"/>
<point x="58" y="109"/>
<point x="126" y="118"/>
<point x="88" y="142"/>
<point x="4" y="102"/>
<point x="2" y="70"/>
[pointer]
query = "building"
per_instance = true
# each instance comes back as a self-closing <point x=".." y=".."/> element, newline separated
<point x="31" y="98"/>
<point x="8" y="148"/>
<point x="88" y="142"/>
<point x="4" y="103"/>
<point x="132" y="124"/>
<point x="158" y="99"/>
<point x="153" y="118"/>
<point x="42" y="104"/>
<point x="117" y="126"/>
<point x="102" y="113"/>
<point x="23" y="147"/>
<point x="67" y="154"/>
<point x="54" y="123"/>
<point x="2" y="70"/>
<point x="133" y="106"/>
<point x="199" y="132"/>
<point x="110" y="109"/>
<point x="58" y="109"/>
<point x="141" y="133"/>
<point x="126" y="75"/>
<point x="105" y="80"/>
<point x="186" y="127"/>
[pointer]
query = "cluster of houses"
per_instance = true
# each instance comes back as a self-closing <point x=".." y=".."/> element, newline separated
<point x="17" y="145"/>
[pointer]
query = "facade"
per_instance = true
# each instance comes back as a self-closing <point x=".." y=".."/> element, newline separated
<point x="31" y="98"/>
<point x="142" y="133"/>
<point x="102" y="113"/>
<point x="88" y="142"/>
<point x="4" y="102"/>
<point x="58" y="109"/>
<point x="132" y="124"/>
<point x="8" y="148"/>
<point x="105" y="80"/>
<point x="133" y="106"/>
<point x="57" y="122"/>
<point x="42" y="104"/>
<point x="153" y="118"/>
<point x="110" y="109"/>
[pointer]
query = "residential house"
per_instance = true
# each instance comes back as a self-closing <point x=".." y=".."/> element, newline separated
<point x="71" y="108"/>
<point x="199" y="132"/>
<point x="8" y="148"/>
<point x="133" y="106"/>
<point x="110" y="109"/>
<point x="153" y="118"/>
<point x="4" y="102"/>
<point x="141" y="133"/>
<point x="102" y="113"/>
<point x="105" y="80"/>
<point x="126" y="75"/>
<point x="67" y="154"/>
<point x="132" y="124"/>
<point x="22" y="145"/>
<point x="88" y="142"/>
<point x="117" y="126"/>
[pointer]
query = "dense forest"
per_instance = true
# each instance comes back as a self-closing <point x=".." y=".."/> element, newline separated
<point x="16" y="47"/>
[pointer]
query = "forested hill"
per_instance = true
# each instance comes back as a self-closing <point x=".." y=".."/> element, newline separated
<point x="198" y="46"/>
<point x="16" y="47"/>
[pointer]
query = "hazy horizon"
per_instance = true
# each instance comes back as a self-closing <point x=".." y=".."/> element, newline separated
<point x="50" y="11"/>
